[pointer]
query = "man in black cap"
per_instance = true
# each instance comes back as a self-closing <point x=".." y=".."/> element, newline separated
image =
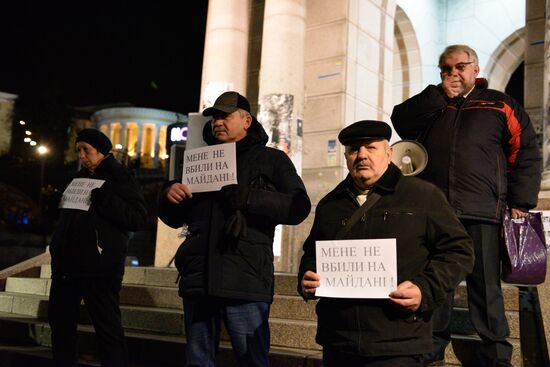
<point x="434" y="253"/>
<point x="88" y="250"/>
<point x="226" y="260"/>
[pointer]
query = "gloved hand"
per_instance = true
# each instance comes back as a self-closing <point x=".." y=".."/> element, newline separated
<point x="236" y="225"/>
<point x="235" y="196"/>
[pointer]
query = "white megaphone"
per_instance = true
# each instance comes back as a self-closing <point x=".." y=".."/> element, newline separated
<point x="410" y="156"/>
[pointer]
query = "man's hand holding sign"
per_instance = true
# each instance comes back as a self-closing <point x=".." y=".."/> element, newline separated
<point x="226" y="260"/>
<point x="205" y="169"/>
<point x="380" y="265"/>
<point x="360" y="269"/>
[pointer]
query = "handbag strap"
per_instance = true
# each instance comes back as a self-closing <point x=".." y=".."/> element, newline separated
<point x="372" y="198"/>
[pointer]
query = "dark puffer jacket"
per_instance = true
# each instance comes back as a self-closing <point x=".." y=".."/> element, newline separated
<point x="211" y="263"/>
<point x="483" y="152"/>
<point x="433" y="251"/>
<point x="94" y="242"/>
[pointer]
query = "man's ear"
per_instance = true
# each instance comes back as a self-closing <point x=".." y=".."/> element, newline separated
<point x="476" y="70"/>
<point x="248" y="122"/>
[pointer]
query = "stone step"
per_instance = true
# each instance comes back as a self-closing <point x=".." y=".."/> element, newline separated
<point x="286" y="307"/>
<point x="285" y="332"/>
<point x="290" y="307"/>
<point x="169" y="319"/>
<point x="152" y="349"/>
<point x="285" y="283"/>
<point x="38" y="286"/>
<point x="461" y="351"/>
<point x="24" y="304"/>
<point x="292" y="320"/>
<point x="144" y="349"/>
<point x="35" y="356"/>
<point x="510" y="293"/>
<point x="460" y="322"/>
<point x="135" y="317"/>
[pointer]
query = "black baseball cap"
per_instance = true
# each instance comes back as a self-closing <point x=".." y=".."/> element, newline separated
<point x="228" y="102"/>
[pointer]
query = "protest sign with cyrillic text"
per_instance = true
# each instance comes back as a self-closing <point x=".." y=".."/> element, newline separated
<point x="210" y="168"/>
<point x="357" y="268"/>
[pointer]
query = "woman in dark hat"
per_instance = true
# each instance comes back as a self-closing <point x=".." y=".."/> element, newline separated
<point x="88" y="251"/>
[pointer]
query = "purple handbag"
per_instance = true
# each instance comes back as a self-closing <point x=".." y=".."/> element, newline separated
<point x="524" y="261"/>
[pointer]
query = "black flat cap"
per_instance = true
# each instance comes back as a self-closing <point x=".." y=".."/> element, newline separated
<point x="364" y="130"/>
<point x="96" y="139"/>
<point x="228" y="102"/>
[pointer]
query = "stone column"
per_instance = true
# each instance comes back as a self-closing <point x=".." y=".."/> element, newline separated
<point x="534" y="66"/>
<point x="225" y="49"/>
<point x="224" y="68"/>
<point x="537" y="56"/>
<point x="281" y="95"/>
<point x="123" y="136"/>
<point x="138" y="143"/>
<point x="545" y="186"/>
<point x="157" y="146"/>
<point x="7" y="103"/>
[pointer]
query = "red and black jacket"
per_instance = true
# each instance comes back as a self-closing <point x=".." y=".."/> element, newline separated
<point x="483" y="152"/>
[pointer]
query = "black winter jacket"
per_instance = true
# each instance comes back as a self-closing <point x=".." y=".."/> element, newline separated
<point x="94" y="242"/>
<point x="483" y="152"/>
<point x="211" y="263"/>
<point x="433" y="251"/>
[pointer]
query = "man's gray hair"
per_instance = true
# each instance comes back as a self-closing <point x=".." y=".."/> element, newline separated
<point x="244" y="113"/>
<point x="449" y="50"/>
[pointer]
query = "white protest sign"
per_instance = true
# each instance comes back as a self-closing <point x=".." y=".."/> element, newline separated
<point x="77" y="194"/>
<point x="210" y="168"/>
<point x="357" y="268"/>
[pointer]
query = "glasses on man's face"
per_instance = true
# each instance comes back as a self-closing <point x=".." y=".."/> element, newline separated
<point x="460" y="67"/>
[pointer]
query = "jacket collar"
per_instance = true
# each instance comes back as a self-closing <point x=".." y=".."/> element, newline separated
<point x="387" y="183"/>
<point x="480" y="85"/>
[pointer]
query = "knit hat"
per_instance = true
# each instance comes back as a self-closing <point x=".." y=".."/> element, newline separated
<point x="96" y="139"/>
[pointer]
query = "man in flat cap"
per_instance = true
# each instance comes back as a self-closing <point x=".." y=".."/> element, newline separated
<point x="434" y="253"/>
<point x="226" y="262"/>
<point x="88" y="251"/>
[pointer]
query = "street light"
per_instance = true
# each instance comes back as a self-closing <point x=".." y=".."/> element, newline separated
<point x="42" y="151"/>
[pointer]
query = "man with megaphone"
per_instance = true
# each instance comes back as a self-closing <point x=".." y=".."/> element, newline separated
<point x="483" y="154"/>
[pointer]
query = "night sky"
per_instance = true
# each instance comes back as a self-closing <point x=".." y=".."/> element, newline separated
<point x="60" y="54"/>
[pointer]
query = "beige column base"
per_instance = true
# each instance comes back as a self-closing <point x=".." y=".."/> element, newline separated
<point x="545" y="185"/>
<point x="167" y="244"/>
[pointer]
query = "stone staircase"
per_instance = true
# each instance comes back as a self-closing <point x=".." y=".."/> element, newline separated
<point x="153" y="319"/>
<point x="152" y="316"/>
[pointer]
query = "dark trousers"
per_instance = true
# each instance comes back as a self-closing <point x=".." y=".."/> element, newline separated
<point x="485" y="300"/>
<point x="101" y="297"/>
<point x="246" y="322"/>
<point x="332" y="358"/>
